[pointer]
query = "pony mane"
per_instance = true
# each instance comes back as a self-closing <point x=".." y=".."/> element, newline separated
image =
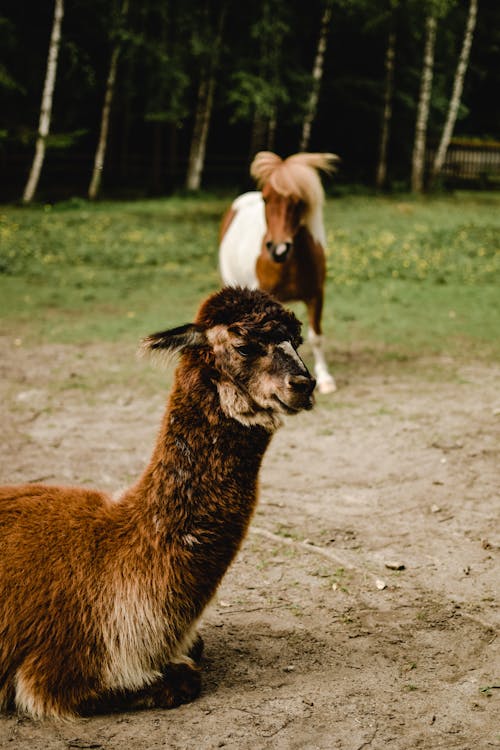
<point x="295" y="176"/>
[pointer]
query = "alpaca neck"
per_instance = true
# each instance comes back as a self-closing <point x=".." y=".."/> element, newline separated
<point x="205" y="465"/>
<point x="188" y="513"/>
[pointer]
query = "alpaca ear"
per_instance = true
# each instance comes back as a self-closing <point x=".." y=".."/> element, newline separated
<point x="173" y="341"/>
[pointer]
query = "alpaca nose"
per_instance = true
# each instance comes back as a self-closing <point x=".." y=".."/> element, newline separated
<point x="302" y="384"/>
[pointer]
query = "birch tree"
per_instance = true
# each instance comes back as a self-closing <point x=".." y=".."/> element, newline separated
<point x="390" y="55"/>
<point x="204" y="106"/>
<point x="456" y="96"/>
<point x="46" y="107"/>
<point x="419" y="144"/>
<point x="317" y="75"/>
<point x="100" y="154"/>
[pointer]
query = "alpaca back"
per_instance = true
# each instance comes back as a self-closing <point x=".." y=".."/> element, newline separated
<point x="48" y="592"/>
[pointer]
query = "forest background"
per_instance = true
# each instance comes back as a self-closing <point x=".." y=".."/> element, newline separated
<point x="160" y="96"/>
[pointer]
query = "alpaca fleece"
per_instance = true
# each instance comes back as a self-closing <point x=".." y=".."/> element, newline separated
<point x="100" y="598"/>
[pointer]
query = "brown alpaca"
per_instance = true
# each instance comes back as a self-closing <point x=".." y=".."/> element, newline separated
<point x="100" y="598"/>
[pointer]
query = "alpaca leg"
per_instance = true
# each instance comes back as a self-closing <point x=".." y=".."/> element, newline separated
<point x="326" y="383"/>
<point x="179" y="683"/>
<point x="196" y="650"/>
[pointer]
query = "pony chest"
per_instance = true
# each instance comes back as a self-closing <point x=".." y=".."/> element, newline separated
<point x="299" y="277"/>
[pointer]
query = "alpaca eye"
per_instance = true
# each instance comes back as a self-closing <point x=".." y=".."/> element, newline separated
<point x="248" y="350"/>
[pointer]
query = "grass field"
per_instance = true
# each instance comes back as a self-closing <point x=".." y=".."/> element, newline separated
<point x="405" y="275"/>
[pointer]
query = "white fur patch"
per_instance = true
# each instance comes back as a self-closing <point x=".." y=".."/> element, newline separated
<point x="240" y="246"/>
<point x="189" y="540"/>
<point x="237" y="405"/>
<point x="326" y="383"/>
<point x="290" y="352"/>
<point x="134" y="636"/>
<point x="25" y="700"/>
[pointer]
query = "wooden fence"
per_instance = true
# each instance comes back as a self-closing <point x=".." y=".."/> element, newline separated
<point x="479" y="163"/>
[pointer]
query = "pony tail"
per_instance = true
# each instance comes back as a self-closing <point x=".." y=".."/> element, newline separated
<point x="263" y="165"/>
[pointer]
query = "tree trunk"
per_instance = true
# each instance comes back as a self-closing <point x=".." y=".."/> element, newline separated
<point x="157" y="159"/>
<point x="125" y="139"/>
<point x="206" y="92"/>
<point x="271" y="131"/>
<point x="458" y="85"/>
<point x="317" y="75"/>
<point x="200" y="133"/>
<point x="46" y="107"/>
<point x="418" y="159"/>
<point x="387" y="113"/>
<point x="258" y="135"/>
<point x="100" y="154"/>
<point x="172" y="157"/>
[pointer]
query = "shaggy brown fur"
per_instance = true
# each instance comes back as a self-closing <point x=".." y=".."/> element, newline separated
<point x="99" y="598"/>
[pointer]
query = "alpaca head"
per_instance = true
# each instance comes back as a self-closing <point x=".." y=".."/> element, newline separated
<point x="245" y="343"/>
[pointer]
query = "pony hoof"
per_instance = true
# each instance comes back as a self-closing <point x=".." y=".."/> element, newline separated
<point x="327" y="386"/>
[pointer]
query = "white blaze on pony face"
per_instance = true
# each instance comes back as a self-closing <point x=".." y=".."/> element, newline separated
<point x="284" y="214"/>
<point x="258" y="379"/>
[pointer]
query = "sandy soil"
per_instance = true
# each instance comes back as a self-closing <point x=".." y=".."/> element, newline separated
<point x="316" y="639"/>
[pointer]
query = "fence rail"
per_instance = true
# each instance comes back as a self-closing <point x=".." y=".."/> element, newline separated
<point x="469" y="162"/>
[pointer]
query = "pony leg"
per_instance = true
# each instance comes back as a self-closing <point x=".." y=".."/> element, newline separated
<point x="326" y="382"/>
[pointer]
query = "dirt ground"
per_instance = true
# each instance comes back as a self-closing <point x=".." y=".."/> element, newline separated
<point x="362" y="611"/>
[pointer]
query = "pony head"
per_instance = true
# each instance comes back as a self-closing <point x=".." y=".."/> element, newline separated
<point x="292" y="193"/>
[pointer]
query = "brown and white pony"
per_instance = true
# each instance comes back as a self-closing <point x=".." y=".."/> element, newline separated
<point x="274" y="239"/>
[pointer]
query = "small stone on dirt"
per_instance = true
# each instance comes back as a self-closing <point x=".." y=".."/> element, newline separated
<point x="394" y="565"/>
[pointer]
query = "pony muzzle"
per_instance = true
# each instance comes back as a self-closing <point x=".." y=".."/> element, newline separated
<point x="278" y="251"/>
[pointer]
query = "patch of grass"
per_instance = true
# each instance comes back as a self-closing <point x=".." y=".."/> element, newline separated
<point x="415" y="273"/>
<point x="107" y="271"/>
<point x="286" y="533"/>
<point x="406" y="276"/>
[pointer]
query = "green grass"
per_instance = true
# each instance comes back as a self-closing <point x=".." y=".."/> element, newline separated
<point x="405" y="275"/>
<point x="415" y="274"/>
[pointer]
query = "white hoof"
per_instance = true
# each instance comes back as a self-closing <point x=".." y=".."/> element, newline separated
<point x="327" y="385"/>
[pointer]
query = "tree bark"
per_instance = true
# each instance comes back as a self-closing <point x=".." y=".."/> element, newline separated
<point x="100" y="154"/>
<point x="258" y="135"/>
<point x="206" y="92"/>
<point x="271" y="131"/>
<point x="317" y="75"/>
<point x="200" y="133"/>
<point x="157" y="158"/>
<point x="418" y="158"/>
<point x="458" y="86"/>
<point x="46" y="107"/>
<point x="387" y="112"/>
